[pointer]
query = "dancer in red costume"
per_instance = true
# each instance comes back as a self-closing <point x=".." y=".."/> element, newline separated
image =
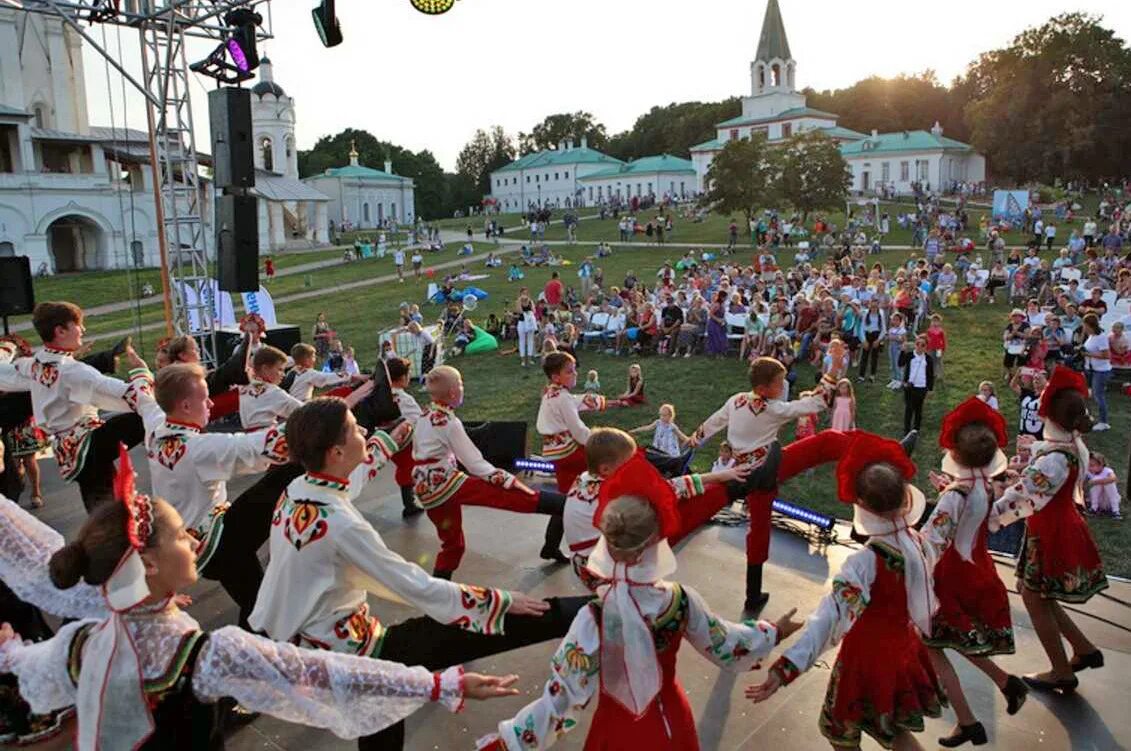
<point x="882" y="682"/>
<point x="632" y="667"/>
<point x="1059" y="561"/>
<point x="973" y="617"/>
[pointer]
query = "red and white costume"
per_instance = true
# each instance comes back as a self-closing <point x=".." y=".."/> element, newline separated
<point x="263" y="404"/>
<point x="973" y="615"/>
<point x="632" y="668"/>
<point x="439" y="445"/>
<point x="881" y="603"/>
<point x="326" y="558"/>
<point x="66" y="397"/>
<point x="564" y="435"/>
<point x="1059" y="558"/>
<point x="308" y="379"/>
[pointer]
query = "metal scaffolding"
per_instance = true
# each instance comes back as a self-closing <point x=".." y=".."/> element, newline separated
<point x="163" y="27"/>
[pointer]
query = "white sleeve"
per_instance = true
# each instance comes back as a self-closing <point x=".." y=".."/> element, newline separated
<point x="715" y="422"/>
<point x="472" y="460"/>
<point x="151" y="413"/>
<point x="283" y="404"/>
<point x="346" y="694"/>
<point x="590" y="402"/>
<point x="569" y="413"/>
<point x="938" y="533"/>
<point x="735" y="646"/>
<point x="809" y="405"/>
<point x="834" y="616"/>
<point x="1039" y="482"/>
<point x="26" y="545"/>
<point x="87" y="385"/>
<point x="473" y="608"/>
<point x="323" y="380"/>
<point x="222" y="456"/>
<point x="41" y="668"/>
<point x="379" y="450"/>
<point x="575" y="669"/>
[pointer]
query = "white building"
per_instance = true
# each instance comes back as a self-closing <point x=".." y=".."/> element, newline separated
<point x="776" y="109"/>
<point x="662" y="176"/>
<point x="292" y="214"/>
<point x="554" y="177"/>
<point x="366" y="198"/>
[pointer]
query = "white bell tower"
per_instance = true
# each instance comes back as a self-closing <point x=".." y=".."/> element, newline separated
<point x="773" y="74"/>
<point x="273" y="124"/>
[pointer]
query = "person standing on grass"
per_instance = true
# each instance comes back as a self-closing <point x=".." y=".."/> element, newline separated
<point x="918" y="379"/>
<point x="1097" y="359"/>
<point x="553" y="291"/>
<point x="398" y="261"/>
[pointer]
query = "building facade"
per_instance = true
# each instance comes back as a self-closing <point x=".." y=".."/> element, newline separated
<point x="365" y="198"/>
<point x="550" y="178"/>
<point x="661" y="177"/>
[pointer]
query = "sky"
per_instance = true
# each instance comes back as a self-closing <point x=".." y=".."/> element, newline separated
<point x="428" y="82"/>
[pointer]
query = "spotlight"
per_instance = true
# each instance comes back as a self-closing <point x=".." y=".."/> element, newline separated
<point x="433" y="7"/>
<point x="326" y="22"/>
<point x="802" y="514"/>
<point x="534" y="465"/>
<point x="241" y="44"/>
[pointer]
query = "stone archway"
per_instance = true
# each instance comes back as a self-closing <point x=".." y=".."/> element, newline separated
<point x="76" y="243"/>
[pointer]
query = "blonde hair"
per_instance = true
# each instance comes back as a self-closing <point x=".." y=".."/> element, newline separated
<point x="172" y="383"/>
<point x="591" y="375"/>
<point x="846" y="382"/>
<point x="669" y="407"/>
<point x="302" y="352"/>
<point x="608" y="446"/>
<point x="440" y="379"/>
<point x="983" y="384"/>
<point x="629" y="525"/>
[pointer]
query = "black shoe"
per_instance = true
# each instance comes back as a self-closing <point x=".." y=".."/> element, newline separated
<point x="1015" y="692"/>
<point x="975" y="734"/>
<point x="408" y="500"/>
<point x="552" y="543"/>
<point x="1092" y="660"/>
<point x="553" y="554"/>
<point x="445" y="575"/>
<point x="756" y="599"/>
<point x="909" y="442"/>
<point x="1065" y="686"/>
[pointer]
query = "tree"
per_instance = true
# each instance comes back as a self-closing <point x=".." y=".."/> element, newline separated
<point x="743" y="176"/>
<point x="673" y="129"/>
<point x="906" y="102"/>
<point x="483" y="154"/>
<point x="562" y="127"/>
<point x="813" y="173"/>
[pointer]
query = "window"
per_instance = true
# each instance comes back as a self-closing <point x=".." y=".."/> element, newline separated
<point x="764" y="130"/>
<point x="40" y="113"/>
<point x="537" y="178"/>
<point x="885" y="171"/>
<point x="590" y="192"/>
<point x="905" y="171"/>
<point x="138" y="253"/>
<point x="556" y="175"/>
<point x="786" y="130"/>
<point x="7" y="250"/>
<point x="775" y="75"/>
<point x="528" y="178"/>
<point x="649" y="188"/>
<point x="565" y="175"/>
<point x="922" y="169"/>
<point x="365" y="213"/>
<point x="734" y="134"/>
<point x="267" y="151"/>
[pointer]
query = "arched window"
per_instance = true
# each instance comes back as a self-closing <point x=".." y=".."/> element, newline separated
<point x="266" y="148"/>
<point x="138" y="253"/>
<point x="775" y="75"/>
<point x="290" y="144"/>
<point x="39" y="113"/>
<point x="7" y="250"/>
<point x="365" y="213"/>
<point x="761" y="77"/>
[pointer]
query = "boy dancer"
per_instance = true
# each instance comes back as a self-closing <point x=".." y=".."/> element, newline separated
<point x="66" y="396"/>
<point x="326" y="558"/>
<point x="190" y="469"/>
<point x="262" y="402"/>
<point x="564" y="435"/>
<point x="443" y="489"/>
<point x="399" y="370"/>
<point x="305" y="378"/>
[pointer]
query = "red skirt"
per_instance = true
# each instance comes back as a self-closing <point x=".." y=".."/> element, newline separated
<point x="973" y="616"/>
<point x="1059" y="558"/>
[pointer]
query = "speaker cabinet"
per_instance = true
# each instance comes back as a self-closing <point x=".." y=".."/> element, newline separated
<point x="237" y="243"/>
<point x="233" y="145"/>
<point x="17" y="296"/>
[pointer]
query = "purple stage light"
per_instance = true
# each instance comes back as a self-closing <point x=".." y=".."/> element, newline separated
<point x="238" y="56"/>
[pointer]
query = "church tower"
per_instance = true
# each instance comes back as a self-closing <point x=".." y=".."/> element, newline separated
<point x="273" y="123"/>
<point x="773" y="74"/>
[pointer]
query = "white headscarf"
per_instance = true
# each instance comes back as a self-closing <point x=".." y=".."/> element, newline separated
<point x="630" y="670"/>
<point x="900" y="534"/>
<point x="977" y="501"/>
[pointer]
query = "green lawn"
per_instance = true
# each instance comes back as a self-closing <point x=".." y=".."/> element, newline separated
<point x="498" y="388"/>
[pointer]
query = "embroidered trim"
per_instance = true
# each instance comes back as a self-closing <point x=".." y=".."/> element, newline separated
<point x="326" y="481"/>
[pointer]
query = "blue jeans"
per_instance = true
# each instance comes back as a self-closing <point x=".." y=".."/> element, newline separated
<point x="1099" y="384"/>
<point x="893" y="356"/>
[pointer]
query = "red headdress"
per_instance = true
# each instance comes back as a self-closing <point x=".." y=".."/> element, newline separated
<point x="140" y="519"/>
<point x="1062" y="378"/>
<point x="253" y="318"/>
<point x="972" y="410"/>
<point x="866" y="449"/>
<point x="639" y="478"/>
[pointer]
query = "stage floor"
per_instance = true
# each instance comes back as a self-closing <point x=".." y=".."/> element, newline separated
<point x="503" y="552"/>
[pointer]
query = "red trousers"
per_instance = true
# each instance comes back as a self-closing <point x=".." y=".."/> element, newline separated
<point x="569" y="467"/>
<point x="404" y="463"/>
<point x="698" y="510"/>
<point x="826" y="446"/>
<point x="448" y="517"/>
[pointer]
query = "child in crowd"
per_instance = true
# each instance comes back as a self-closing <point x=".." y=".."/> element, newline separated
<point x="262" y="402"/>
<point x="988" y="395"/>
<point x="349" y="363"/>
<point x="725" y="459"/>
<point x="844" y="406"/>
<point x="883" y="683"/>
<point x="667" y="438"/>
<point x="592" y="383"/>
<point x="837" y="360"/>
<point x="622" y="648"/>
<point x="306" y="378"/>
<point x="634" y="393"/>
<point x="514" y="273"/>
<point x="936" y="343"/>
<point x="896" y="337"/>
<point x="1103" y="490"/>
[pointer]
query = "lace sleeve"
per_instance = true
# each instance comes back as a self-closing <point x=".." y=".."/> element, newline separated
<point x="734" y="646"/>
<point x="346" y="694"/>
<point x="26" y="544"/>
<point x="41" y="669"/>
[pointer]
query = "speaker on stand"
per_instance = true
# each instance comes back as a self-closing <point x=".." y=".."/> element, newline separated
<point x="17" y="295"/>
<point x="237" y="213"/>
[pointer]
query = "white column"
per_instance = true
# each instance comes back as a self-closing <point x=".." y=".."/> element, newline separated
<point x="321" y="223"/>
<point x="278" y="236"/>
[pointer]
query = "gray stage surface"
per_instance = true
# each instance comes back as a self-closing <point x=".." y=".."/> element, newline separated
<point x="503" y="552"/>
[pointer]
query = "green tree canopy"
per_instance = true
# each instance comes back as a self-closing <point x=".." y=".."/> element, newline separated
<point x="744" y="176"/>
<point x="482" y="155"/>
<point x="905" y="102"/>
<point x="813" y="173"/>
<point x="673" y="129"/>
<point x="557" y="128"/>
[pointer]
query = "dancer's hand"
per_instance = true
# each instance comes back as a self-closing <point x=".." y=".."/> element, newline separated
<point x="482" y="687"/>
<point x="939" y="480"/>
<point x="182" y="601"/>
<point x="765" y="690"/>
<point x="520" y="485"/>
<point x="523" y="604"/>
<point x="133" y="360"/>
<point x="7" y="634"/>
<point x="735" y="474"/>
<point x="401" y="432"/>
<point x="787" y="625"/>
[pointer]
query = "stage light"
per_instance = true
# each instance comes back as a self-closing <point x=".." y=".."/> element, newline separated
<point x="433" y="7"/>
<point x="242" y="44"/>
<point x="326" y="22"/>
<point x="802" y="514"/>
<point x="238" y="56"/>
<point x="534" y="465"/>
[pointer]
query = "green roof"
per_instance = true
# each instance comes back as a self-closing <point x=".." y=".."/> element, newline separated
<point x="846" y="133"/>
<point x="772" y="43"/>
<point x="713" y="145"/>
<point x="557" y="158"/>
<point x="358" y="172"/>
<point x="783" y="115"/>
<point x="908" y="140"/>
<point x="646" y="165"/>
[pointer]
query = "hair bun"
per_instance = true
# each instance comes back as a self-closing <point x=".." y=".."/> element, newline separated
<point x="68" y="565"/>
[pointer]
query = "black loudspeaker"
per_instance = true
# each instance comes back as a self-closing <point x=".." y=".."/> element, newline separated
<point x="17" y="296"/>
<point x="499" y="442"/>
<point x="233" y="147"/>
<point x="280" y="336"/>
<point x="237" y="243"/>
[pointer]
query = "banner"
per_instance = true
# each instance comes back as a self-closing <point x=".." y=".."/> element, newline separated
<point x="260" y="302"/>
<point x="1010" y="205"/>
